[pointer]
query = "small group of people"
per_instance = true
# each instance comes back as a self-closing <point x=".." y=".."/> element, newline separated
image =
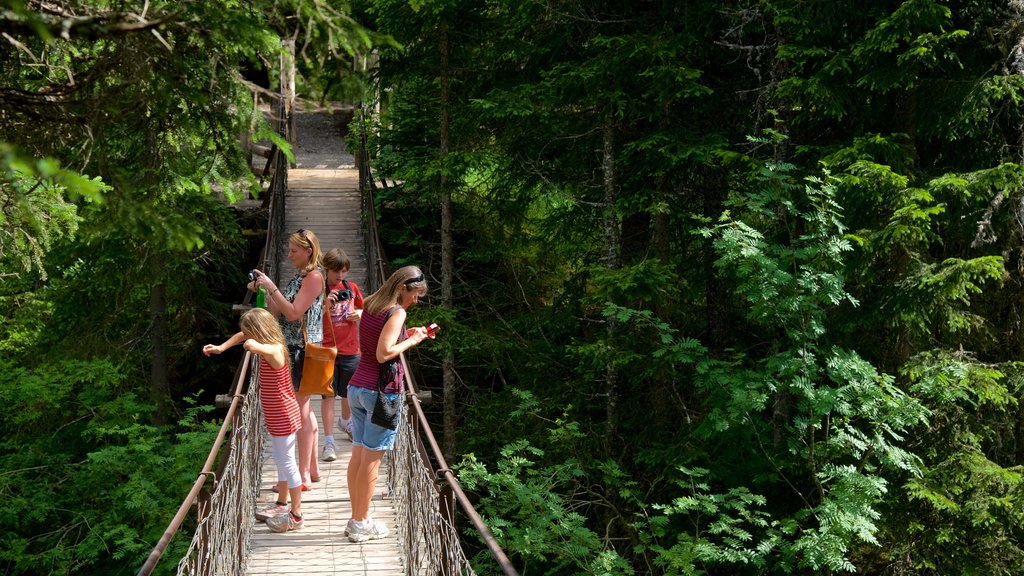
<point x="367" y="333"/>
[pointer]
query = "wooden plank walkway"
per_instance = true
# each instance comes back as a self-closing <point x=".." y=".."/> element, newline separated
<point x="320" y="546"/>
<point x="325" y="201"/>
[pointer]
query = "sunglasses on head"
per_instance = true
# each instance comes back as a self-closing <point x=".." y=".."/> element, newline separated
<point x="301" y="232"/>
<point x="414" y="280"/>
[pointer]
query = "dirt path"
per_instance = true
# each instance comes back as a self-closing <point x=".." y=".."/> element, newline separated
<point x="319" y="139"/>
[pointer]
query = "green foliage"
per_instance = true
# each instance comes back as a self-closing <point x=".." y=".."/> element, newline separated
<point x="528" y="504"/>
<point x="36" y="211"/>
<point x="963" y="513"/>
<point x="730" y="529"/>
<point x="767" y="342"/>
<point x="78" y="462"/>
<point x="834" y="418"/>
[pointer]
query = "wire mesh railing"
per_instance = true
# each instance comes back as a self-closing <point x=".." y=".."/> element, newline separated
<point x="425" y="530"/>
<point x="221" y="538"/>
<point x="424" y="497"/>
<point x="226" y="494"/>
<point x="376" y="266"/>
<point x="223" y="497"/>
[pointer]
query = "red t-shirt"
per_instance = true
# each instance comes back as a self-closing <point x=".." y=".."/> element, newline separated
<point x="346" y="332"/>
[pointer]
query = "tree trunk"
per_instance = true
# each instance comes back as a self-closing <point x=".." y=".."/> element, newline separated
<point x="159" y="381"/>
<point x="612" y="255"/>
<point x="287" y="91"/>
<point x="447" y="259"/>
<point x="159" y="387"/>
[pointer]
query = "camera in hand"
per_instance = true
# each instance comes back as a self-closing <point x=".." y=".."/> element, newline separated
<point x="252" y="275"/>
<point x="432" y="330"/>
<point x="343" y="294"/>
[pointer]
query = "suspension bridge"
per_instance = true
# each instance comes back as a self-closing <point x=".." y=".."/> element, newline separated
<point x="417" y="495"/>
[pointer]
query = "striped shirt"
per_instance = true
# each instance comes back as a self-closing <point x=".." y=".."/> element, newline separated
<point x="280" y="409"/>
<point x="370" y="327"/>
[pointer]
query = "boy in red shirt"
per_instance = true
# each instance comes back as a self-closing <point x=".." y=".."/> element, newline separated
<point x="345" y="303"/>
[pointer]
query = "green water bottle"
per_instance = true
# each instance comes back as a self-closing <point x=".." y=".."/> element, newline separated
<point x="261" y="297"/>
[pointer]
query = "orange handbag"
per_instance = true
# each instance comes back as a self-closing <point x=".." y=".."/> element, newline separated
<point x="317" y="364"/>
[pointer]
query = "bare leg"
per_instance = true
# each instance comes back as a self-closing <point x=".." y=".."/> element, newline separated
<point x="346" y="414"/>
<point x="314" y="462"/>
<point x="282" y="491"/>
<point x="307" y="440"/>
<point x="362" y="480"/>
<point x="327" y="411"/>
<point x="358" y="453"/>
<point x="296" y="494"/>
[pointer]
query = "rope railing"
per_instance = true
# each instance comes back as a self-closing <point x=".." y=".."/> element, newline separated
<point x="221" y="538"/>
<point x="422" y="496"/>
<point x="224" y="498"/>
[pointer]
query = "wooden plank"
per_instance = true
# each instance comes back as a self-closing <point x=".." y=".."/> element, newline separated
<point x="339" y="179"/>
<point x="327" y="202"/>
<point x="320" y="546"/>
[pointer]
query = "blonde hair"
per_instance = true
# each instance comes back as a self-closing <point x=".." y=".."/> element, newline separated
<point x="261" y="326"/>
<point x="409" y="277"/>
<point x="336" y="259"/>
<point x="307" y="239"/>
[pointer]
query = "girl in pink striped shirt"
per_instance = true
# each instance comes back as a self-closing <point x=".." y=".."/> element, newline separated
<point x="261" y="334"/>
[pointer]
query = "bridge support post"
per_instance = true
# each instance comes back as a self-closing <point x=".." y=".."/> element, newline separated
<point x="287" y="91"/>
<point x="446" y="504"/>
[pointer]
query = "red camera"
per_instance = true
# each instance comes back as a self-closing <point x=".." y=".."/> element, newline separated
<point x="432" y="329"/>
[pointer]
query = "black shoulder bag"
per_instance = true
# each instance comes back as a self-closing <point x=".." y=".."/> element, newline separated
<point x="386" y="413"/>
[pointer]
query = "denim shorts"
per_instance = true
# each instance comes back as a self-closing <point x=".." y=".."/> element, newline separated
<point x="344" y="368"/>
<point x="366" y="433"/>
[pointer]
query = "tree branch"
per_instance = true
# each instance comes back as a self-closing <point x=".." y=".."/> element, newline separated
<point x="85" y="27"/>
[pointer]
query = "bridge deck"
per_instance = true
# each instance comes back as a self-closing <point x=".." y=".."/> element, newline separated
<point x="325" y="201"/>
<point x="321" y="547"/>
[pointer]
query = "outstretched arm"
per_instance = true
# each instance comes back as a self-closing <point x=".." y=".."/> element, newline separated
<point x="212" y="349"/>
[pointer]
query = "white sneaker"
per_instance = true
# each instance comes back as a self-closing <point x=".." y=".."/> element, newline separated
<point x="330" y="454"/>
<point x="270" y="511"/>
<point x="345" y="425"/>
<point x="284" y="523"/>
<point x="375" y="531"/>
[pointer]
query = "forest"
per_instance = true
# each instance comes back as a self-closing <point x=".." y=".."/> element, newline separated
<point x="728" y="287"/>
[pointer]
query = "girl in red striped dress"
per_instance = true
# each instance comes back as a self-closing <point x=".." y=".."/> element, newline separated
<point x="261" y="334"/>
